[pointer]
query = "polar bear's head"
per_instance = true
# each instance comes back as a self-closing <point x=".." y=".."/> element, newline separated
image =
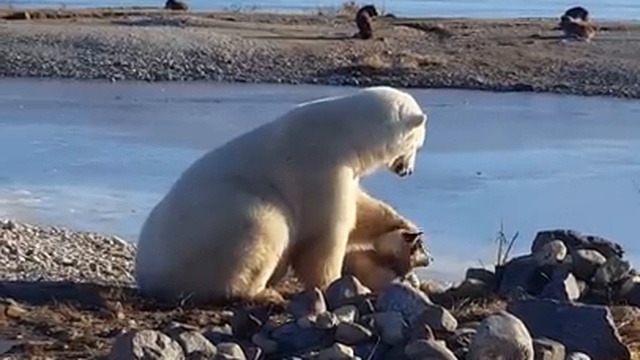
<point x="411" y="139"/>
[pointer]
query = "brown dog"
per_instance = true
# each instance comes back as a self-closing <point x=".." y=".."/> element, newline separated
<point x="364" y="22"/>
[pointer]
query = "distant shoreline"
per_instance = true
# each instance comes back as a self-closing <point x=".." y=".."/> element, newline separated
<point x="144" y="44"/>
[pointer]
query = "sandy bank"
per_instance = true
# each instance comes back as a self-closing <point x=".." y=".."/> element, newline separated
<point x="500" y="55"/>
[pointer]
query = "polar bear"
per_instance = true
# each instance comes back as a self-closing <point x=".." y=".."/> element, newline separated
<point x="289" y="186"/>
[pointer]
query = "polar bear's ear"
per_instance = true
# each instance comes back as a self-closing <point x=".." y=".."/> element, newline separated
<point x="416" y="120"/>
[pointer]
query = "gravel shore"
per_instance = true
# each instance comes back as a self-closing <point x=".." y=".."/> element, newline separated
<point x="500" y="55"/>
<point x="68" y="295"/>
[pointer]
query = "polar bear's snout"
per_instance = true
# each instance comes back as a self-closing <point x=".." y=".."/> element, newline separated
<point x="403" y="166"/>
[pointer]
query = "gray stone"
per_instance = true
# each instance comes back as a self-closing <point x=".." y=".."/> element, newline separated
<point x="551" y="253"/>
<point x="344" y="290"/>
<point x="484" y="275"/>
<point x="352" y="333"/>
<point x="521" y="274"/>
<point x="437" y="318"/>
<point x="403" y="299"/>
<point x="630" y="291"/>
<point x="336" y="352"/>
<point x="501" y="336"/>
<point x="578" y="356"/>
<point x="147" y="345"/>
<point x="428" y="349"/>
<point x="547" y="349"/>
<point x="267" y="345"/>
<point x="461" y="339"/>
<point x="575" y="240"/>
<point x="585" y="262"/>
<point x="422" y="332"/>
<point x="192" y="342"/>
<point x="611" y="272"/>
<point x="563" y="287"/>
<point x="391" y="327"/>
<point x="219" y="334"/>
<point x="292" y="338"/>
<point x="245" y="323"/>
<point x="347" y="313"/>
<point x="310" y="302"/>
<point x="251" y="353"/>
<point x="585" y="328"/>
<point x="230" y="351"/>
<point x="470" y="289"/>
<point x="326" y="320"/>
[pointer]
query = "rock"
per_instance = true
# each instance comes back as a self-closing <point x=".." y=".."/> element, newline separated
<point x="585" y="328"/>
<point x="484" y="275"/>
<point x="344" y="290"/>
<point x="395" y="353"/>
<point x="267" y="345"/>
<point x="219" y="334"/>
<point x="245" y="323"/>
<point x="578" y="356"/>
<point x="7" y="345"/>
<point x="292" y="338"/>
<point x="252" y="353"/>
<point x="310" y="302"/>
<point x="347" y="313"/>
<point x="460" y="340"/>
<point x="403" y="299"/>
<point x="437" y="318"/>
<point x="563" y="287"/>
<point x="326" y="320"/>
<point x="611" y="272"/>
<point x="147" y="345"/>
<point x="192" y="342"/>
<point x="470" y="289"/>
<point x="352" y="333"/>
<point x="585" y="262"/>
<point x="574" y="240"/>
<point x="521" y="273"/>
<point x="336" y="352"/>
<point x="547" y="349"/>
<point x="428" y="349"/>
<point x="501" y="336"/>
<point x="391" y="327"/>
<point x="630" y="291"/>
<point x="551" y="253"/>
<point x="230" y="351"/>
<point x="422" y="332"/>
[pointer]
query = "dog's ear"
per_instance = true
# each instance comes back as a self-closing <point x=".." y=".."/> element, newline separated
<point x="411" y="236"/>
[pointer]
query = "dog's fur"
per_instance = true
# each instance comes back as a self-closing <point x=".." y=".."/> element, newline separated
<point x="364" y="22"/>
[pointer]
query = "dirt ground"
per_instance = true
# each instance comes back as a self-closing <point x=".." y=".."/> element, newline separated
<point x="79" y="321"/>
<point x="498" y="55"/>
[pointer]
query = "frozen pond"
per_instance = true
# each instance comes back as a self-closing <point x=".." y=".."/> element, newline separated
<point x="98" y="156"/>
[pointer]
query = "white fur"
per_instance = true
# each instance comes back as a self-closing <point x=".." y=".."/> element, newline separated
<point x="287" y="187"/>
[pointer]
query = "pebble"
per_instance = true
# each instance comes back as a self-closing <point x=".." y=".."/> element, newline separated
<point x="59" y="254"/>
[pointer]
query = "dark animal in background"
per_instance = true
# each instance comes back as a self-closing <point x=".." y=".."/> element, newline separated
<point x="577" y="12"/>
<point x="363" y="21"/>
<point x="176" y="5"/>
<point x="577" y="29"/>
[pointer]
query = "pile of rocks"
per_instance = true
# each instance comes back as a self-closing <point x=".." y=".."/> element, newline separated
<point x="542" y="318"/>
<point x="563" y="265"/>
